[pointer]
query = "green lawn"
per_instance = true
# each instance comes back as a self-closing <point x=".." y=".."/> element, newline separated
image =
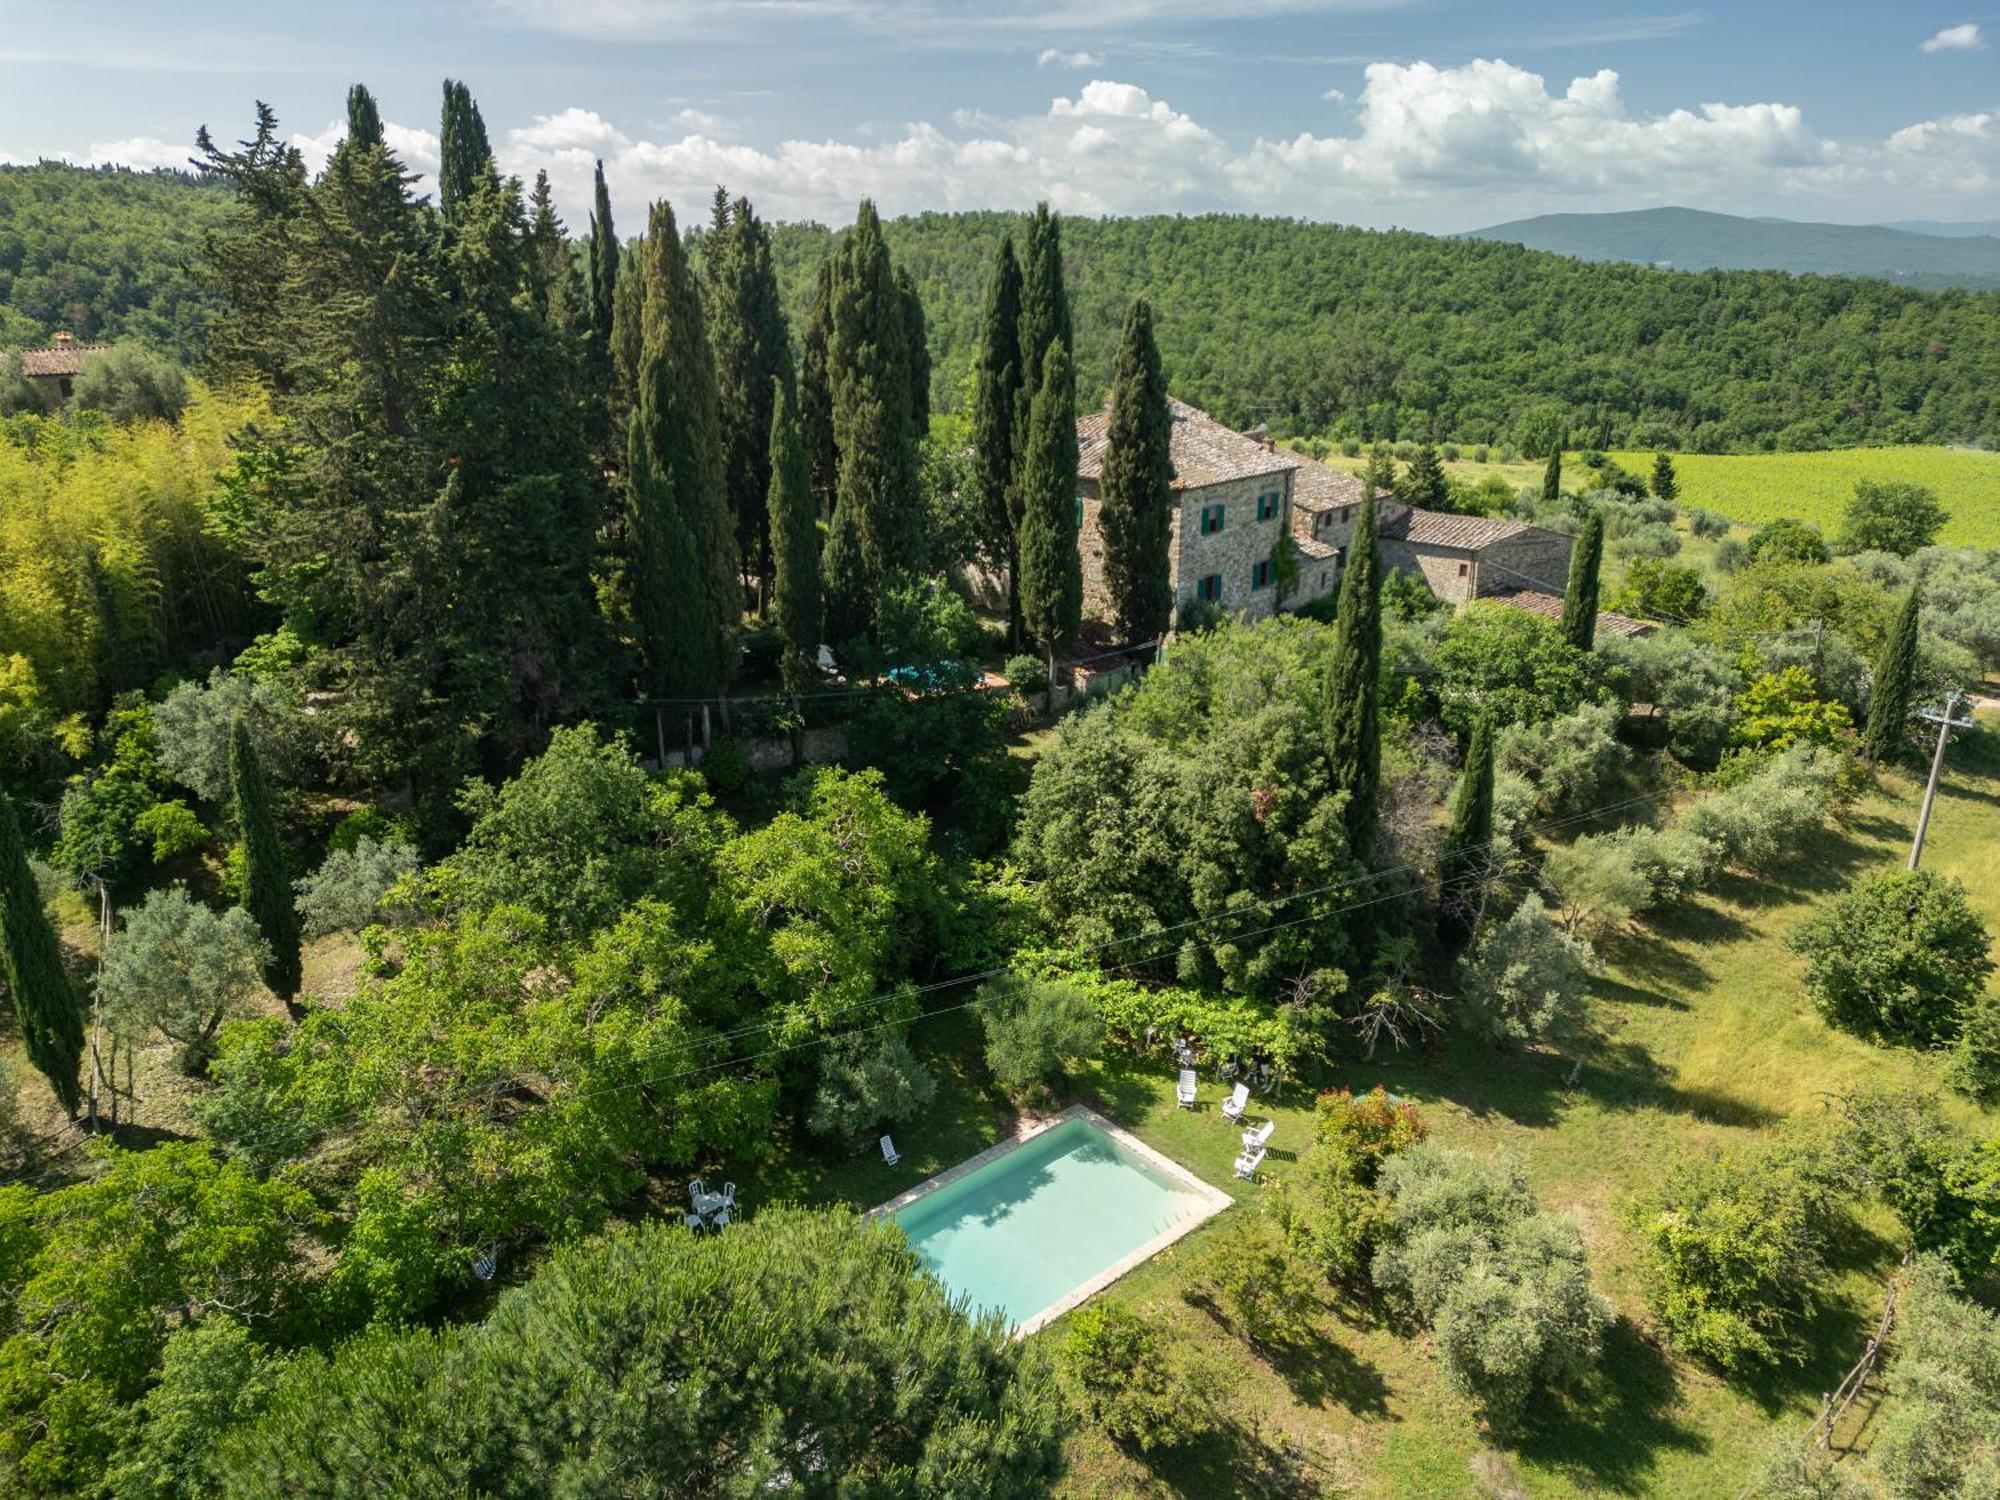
<point x="1701" y="1038"/>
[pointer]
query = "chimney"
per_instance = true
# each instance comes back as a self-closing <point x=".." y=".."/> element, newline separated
<point x="1262" y="434"/>
<point x="62" y="338"/>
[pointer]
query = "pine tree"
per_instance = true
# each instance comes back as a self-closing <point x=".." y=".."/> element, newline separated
<point x="1135" y="486"/>
<point x="752" y="351"/>
<point x="45" y="1002"/>
<point x="1353" y="731"/>
<point x="1886" y="734"/>
<point x="795" y="588"/>
<point x="996" y="388"/>
<point x="916" y="339"/>
<point x="1552" y="474"/>
<point x="364" y="120"/>
<point x="548" y="251"/>
<point x="267" y="883"/>
<point x="1468" y="839"/>
<point x="877" y="500"/>
<point x="465" y="157"/>
<point x="1424" y="486"/>
<point x="1586" y="559"/>
<point x="1051" y="565"/>
<point x="685" y="582"/>
<point x="1380" y="475"/>
<point x="1665" y="484"/>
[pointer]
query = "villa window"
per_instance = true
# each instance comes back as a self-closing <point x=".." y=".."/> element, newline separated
<point x="1267" y="506"/>
<point x="1211" y="519"/>
<point x="1209" y="588"/>
<point x="1260" y="575"/>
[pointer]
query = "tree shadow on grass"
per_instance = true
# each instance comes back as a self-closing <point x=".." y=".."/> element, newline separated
<point x="1243" y="1458"/>
<point x="1535" y="1087"/>
<point x="1318" y="1369"/>
<point x="1610" y="1435"/>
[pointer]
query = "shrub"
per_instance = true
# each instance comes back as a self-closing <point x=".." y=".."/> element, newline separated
<point x="1651" y="540"/>
<point x="1504" y="1287"/>
<point x="1940" y="1435"/>
<point x="1449" y="452"/>
<point x="1350" y="447"/>
<point x="1737" y="1258"/>
<point x="345" y="893"/>
<point x="1572" y="761"/>
<point x="1362" y="1133"/>
<point x="1974" y="1069"/>
<point x="1780" y="709"/>
<point x="1481" y="453"/>
<point x="1706" y="523"/>
<point x="866" y="1080"/>
<point x="1942" y="1184"/>
<point x="1247" y="1278"/>
<point x="1900" y="956"/>
<point x="1510" y="667"/>
<point x="130" y="383"/>
<point x="725" y="766"/>
<point x="173" y="828"/>
<point x="1027" y="675"/>
<point x="1037" y="1033"/>
<point x="193" y="723"/>
<point x="1330" y="1220"/>
<point x="178" y="968"/>
<point x="1221" y="1025"/>
<point x="1115" y="1367"/>
<point x="1787" y="541"/>
<point x="1894" y="517"/>
<point x="1524" y="980"/>
<point x="1655" y="589"/>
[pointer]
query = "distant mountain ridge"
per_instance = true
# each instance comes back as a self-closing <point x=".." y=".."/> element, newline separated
<point x="1689" y="239"/>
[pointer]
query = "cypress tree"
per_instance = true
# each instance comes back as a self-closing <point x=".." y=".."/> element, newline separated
<point x="916" y="339"/>
<point x="1552" y="474"/>
<point x="1051" y="566"/>
<point x="795" y="590"/>
<point x="45" y="1002"/>
<point x="996" y="390"/>
<point x="1586" y="559"/>
<point x="465" y="157"/>
<point x="1468" y="838"/>
<point x="1424" y="486"/>
<point x="816" y="387"/>
<point x="1380" y="475"/>
<point x="686" y="588"/>
<point x="1353" y="742"/>
<point x="548" y="250"/>
<point x="267" y="884"/>
<point x="364" y="120"/>
<point x="752" y="351"/>
<point x="1886" y="734"/>
<point x="1135" y="487"/>
<point x="877" y="500"/>
<point x="1666" y="485"/>
<point x="1044" y="323"/>
<point x="600" y="317"/>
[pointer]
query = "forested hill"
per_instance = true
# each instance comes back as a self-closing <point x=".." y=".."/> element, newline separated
<point x="1393" y="334"/>
<point x="1311" y="327"/>
<point x="1692" y="240"/>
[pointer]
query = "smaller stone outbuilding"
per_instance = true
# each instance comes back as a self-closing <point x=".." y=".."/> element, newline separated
<point x="1464" y="558"/>
<point x="1550" y="607"/>
<point x="53" y="371"/>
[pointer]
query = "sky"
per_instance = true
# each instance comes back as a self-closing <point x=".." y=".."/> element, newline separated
<point x="1430" y="114"/>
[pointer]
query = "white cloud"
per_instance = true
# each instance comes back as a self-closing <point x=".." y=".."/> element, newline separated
<point x="1964" y="38"/>
<point x="1050" y="57"/>
<point x="142" y="153"/>
<point x="701" y="120"/>
<point x="418" y="148"/>
<point x="1335" y="96"/>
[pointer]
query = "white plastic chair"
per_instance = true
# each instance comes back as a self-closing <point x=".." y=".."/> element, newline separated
<point x="1236" y="1103"/>
<point x="1248" y="1163"/>
<point x="1184" y="1090"/>
<point x="889" y="1153"/>
<point x="1259" y="1136"/>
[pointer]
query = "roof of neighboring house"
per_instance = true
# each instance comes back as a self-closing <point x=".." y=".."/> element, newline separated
<point x="1203" y="450"/>
<point x="1319" y="486"/>
<point x="1550" y="607"/>
<point x="1432" y="528"/>
<point x="62" y="358"/>
<point x="1310" y="547"/>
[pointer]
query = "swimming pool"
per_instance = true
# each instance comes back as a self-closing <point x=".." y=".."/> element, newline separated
<point x="1035" y="1225"/>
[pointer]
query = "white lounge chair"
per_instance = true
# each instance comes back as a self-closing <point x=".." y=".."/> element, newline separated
<point x="1248" y="1163"/>
<point x="1236" y="1103"/>
<point x="1259" y="1136"/>
<point x="889" y="1153"/>
<point x="1184" y="1090"/>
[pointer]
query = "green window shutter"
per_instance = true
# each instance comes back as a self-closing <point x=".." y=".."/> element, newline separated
<point x="1079" y="512"/>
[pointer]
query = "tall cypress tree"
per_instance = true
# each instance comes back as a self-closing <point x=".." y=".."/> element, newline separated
<point x="1666" y="484"/>
<point x="267" y="883"/>
<point x="1886" y="734"/>
<point x="686" y="589"/>
<point x="1353" y="729"/>
<point x="752" y="351"/>
<point x="996" y="389"/>
<point x="1424" y="486"/>
<point x="795" y="588"/>
<point x="916" y="339"/>
<point x="1586" y="560"/>
<point x="603" y="263"/>
<point x="1044" y="323"/>
<point x="877" y="499"/>
<point x="816" y="386"/>
<point x="1468" y="839"/>
<point x="45" y="1002"/>
<point x="608" y="412"/>
<point x="1051" y="566"/>
<point x="465" y="156"/>
<point x="1552" y="474"/>
<point x="364" y="120"/>
<point x="1135" y="487"/>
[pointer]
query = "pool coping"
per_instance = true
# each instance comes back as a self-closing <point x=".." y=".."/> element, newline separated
<point x="1213" y="1201"/>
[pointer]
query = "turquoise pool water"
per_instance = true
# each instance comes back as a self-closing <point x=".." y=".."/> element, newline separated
<point x="1030" y="1227"/>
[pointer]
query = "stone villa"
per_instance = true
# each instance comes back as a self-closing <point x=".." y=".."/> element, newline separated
<point x="1237" y="494"/>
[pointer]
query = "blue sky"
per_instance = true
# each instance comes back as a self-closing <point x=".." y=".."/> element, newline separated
<point x="1437" y="114"/>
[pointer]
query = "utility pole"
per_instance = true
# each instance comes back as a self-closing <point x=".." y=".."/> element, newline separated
<point x="1946" y="724"/>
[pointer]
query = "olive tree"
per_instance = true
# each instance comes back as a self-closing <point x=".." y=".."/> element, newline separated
<point x="179" y="968"/>
<point x="1524" y="980"/>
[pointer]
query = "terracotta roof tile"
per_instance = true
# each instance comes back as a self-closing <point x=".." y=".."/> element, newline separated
<point x="1431" y="528"/>
<point x="1204" y="451"/>
<point x="1319" y="486"/>
<point x="1550" y="607"/>
<point x="62" y="359"/>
